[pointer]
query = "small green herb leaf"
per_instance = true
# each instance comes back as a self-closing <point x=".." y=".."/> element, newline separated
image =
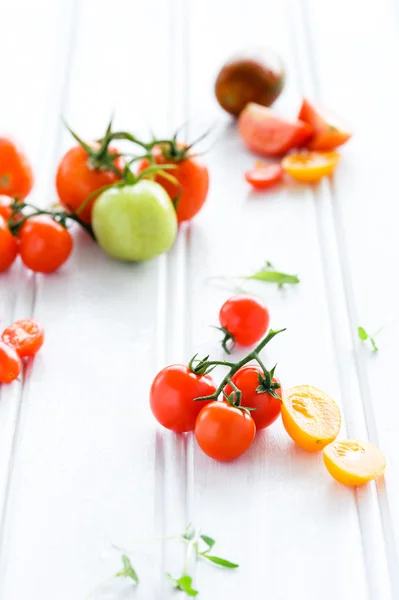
<point x="269" y="275"/>
<point x="127" y="570"/>
<point x="183" y="584"/>
<point x="364" y="336"/>
<point x="208" y="541"/>
<point x="222" y="562"/>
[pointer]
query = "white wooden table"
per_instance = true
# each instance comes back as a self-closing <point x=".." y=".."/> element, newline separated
<point x="83" y="464"/>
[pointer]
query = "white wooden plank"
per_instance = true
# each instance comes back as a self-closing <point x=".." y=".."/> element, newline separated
<point x="364" y="212"/>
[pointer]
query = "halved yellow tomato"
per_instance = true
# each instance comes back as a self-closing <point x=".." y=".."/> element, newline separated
<point x="310" y="166"/>
<point x="353" y="463"/>
<point x="310" y="417"/>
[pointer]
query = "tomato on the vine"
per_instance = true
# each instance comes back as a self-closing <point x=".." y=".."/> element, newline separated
<point x="249" y="381"/>
<point x="244" y="319"/>
<point x="25" y="336"/>
<point x="8" y="246"/>
<point x="191" y="190"/>
<point x="79" y="175"/>
<point x="224" y="431"/>
<point x="172" y="397"/>
<point x="44" y="244"/>
<point x="10" y="363"/>
<point x="16" y="176"/>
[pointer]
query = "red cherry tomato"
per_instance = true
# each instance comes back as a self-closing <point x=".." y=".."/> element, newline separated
<point x="267" y="406"/>
<point x="16" y="177"/>
<point x="10" y="363"/>
<point x="44" y="244"/>
<point x="25" y="336"/>
<point x="245" y="318"/>
<point x="76" y="179"/>
<point x="193" y="182"/>
<point x="264" y="175"/>
<point x="172" y="394"/>
<point x="8" y="246"/>
<point x="224" y="432"/>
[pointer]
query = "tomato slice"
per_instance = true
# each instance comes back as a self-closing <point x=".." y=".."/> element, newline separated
<point x="263" y="175"/>
<point x="25" y="336"/>
<point x="265" y="132"/>
<point x="310" y="166"/>
<point x="328" y="133"/>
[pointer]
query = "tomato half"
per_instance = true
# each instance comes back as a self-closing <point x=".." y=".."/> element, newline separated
<point x="10" y="363"/>
<point x="76" y="179"/>
<point x="328" y="133"/>
<point x="8" y="246"/>
<point x="25" y="336"/>
<point x="44" y="244"/>
<point x="172" y="397"/>
<point x="224" y="432"/>
<point x="267" y="406"/>
<point x="265" y="132"/>
<point x="310" y="166"/>
<point x="245" y="318"/>
<point x="16" y="176"/>
<point x="263" y="175"/>
<point x="193" y="182"/>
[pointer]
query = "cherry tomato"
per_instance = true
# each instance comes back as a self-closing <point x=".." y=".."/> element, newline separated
<point x="10" y="363"/>
<point x="310" y="167"/>
<point x="245" y="318"/>
<point x="267" y="406"/>
<point x="16" y="176"/>
<point x="327" y="132"/>
<point x="5" y="207"/>
<point x="172" y="394"/>
<point x="264" y="175"/>
<point x="265" y="132"/>
<point x="8" y="246"/>
<point x="76" y="179"/>
<point x="25" y="336"/>
<point x="44" y="244"/>
<point x="193" y="178"/>
<point x="224" y="432"/>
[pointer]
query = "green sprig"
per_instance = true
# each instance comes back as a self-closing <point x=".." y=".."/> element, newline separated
<point x="364" y="336"/>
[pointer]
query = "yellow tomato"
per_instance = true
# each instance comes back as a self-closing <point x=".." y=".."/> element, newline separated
<point x="311" y="418"/>
<point x="310" y="166"/>
<point x="353" y="463"/>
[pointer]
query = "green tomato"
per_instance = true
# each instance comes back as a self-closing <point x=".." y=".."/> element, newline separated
<point x="134" y="222"/>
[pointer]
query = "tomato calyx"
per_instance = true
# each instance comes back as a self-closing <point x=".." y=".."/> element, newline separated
<point x="228" y="337"/>
<point x="101" y="158"/>
<point x="266" y="383"/>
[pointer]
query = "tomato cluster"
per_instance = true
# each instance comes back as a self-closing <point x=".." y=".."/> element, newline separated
<point x="20" y="340"/>
<point x="264" y="132"/>
<point x="185" y="397"/>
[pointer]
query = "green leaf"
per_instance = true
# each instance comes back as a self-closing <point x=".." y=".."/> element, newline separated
<point x="362" y="333"/>
<point x="222" y="562"/>
<point x="183" y="584"/>
<point x="273" y="277"/>
<point x="127" y="570"/>
<point x="208" y="541"/>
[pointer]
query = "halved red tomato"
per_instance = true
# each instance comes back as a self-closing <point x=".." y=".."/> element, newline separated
<point x="263" y="175"/>
<point x="327" y="132"/>
<point x="265" y="132"/>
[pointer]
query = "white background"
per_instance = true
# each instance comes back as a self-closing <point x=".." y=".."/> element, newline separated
<point x="83" y="464"/>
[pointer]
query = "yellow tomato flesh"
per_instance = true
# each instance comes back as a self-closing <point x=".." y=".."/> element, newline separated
<point x="353" y="463"/>
<point x="311" y="418"/>
<point x="310" y="166"/>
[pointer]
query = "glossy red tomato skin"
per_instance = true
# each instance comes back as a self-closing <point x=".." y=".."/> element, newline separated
<point x="264" y="177"/>
<point x="75" y="180"/>
<point x="193" y="177"/>
<point x="10" y="364"/>
<point x="8" y="246"/>
<point x="44" y="244"/>
<point x="172" y="393"/>
<point x="16" y="175"/>
<point x="245" y="317"/>
<point x="224" y="432"/>
<point x="267" y="407"/>
<point x="25" y="336"/>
